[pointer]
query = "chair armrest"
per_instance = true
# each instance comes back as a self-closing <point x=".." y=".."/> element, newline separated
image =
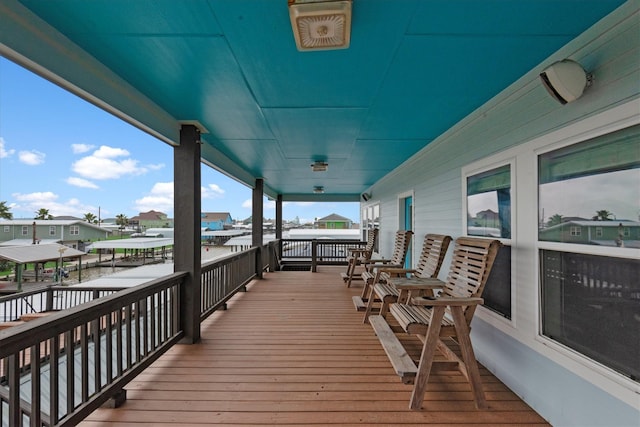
<point x="393" y="270"/>
<point x="409" y="284"/>
<point x="447" y="301"/>
<point x="359" y="250"/>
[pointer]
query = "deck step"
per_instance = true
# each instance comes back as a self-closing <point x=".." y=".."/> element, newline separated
<point x="404" y="366"/>
<point x="345" y="277"/>
<point x="359" y="303"/>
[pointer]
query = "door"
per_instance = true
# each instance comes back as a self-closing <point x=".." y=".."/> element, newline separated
<point x="406" y="217"/>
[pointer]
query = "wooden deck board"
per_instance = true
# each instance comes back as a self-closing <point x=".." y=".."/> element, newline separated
<point x="293" y="350"/>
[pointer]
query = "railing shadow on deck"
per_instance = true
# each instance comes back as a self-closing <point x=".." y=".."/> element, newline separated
<point x="96" y="340"/>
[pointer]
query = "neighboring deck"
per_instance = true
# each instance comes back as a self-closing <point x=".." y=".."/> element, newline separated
<point x="293" y="350"/>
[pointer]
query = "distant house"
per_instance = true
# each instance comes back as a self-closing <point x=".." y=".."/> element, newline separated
<point x="622" y="233"/>
<point x="216" y="220"/>
<point x="333" y="221"/>
<point x="72" y="233"/>
<point x="151" y="219"/>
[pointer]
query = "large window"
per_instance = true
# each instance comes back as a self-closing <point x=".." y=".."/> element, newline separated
<point x="488" y="204"/>
<point x="589" y="194"/>
<point x="592" y="305"/>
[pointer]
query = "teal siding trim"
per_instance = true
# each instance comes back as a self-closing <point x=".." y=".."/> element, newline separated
<point x="563" y="398"/>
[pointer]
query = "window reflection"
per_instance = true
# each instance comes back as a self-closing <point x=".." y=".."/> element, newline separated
<point x="489" y="203"/>
<point x="589" y="193"/>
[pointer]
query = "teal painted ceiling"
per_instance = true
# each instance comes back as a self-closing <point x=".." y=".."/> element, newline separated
<point x="414" y="69"/>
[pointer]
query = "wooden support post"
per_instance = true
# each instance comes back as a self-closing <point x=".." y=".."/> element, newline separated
<point x="256" y="223"/>
<point x="187" y="255"/>
<point x="279" y="217"/>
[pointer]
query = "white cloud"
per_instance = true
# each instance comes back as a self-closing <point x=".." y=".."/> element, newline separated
<point x="160" y="198"/>
<point x="267" y="204"/>
<point x="106" y="152"/>
<point x="48" y="200"/>
<point x="211" y="191"/>
<point x="104" y="163"/>
<point x="40" y="197"/>
<point x="81" y="148"/>
<point x="31" y="158"/>
<point x="81" y="182"/>
<point x="3" y="151"/>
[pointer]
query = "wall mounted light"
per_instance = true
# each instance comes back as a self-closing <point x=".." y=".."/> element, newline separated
<point x="318" y="189"/>
<point x="319" y="166"/>
<point x="565" y="80"/>
<point x="321" y="24"/>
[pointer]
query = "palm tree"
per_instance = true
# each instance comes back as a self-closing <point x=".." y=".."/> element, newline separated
<point x="90" y="218"/>
<point x="122" y="221"/>
<point x="4" y="211"/>
<point x="43" y="213"/>
<point x="554" y="220"/>
<point x="602" y="215"/>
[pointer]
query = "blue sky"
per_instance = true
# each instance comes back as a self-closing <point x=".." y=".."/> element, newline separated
<point x="61" y="153"/>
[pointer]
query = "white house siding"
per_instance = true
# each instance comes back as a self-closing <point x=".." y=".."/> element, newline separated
<point x="565" y="389"/>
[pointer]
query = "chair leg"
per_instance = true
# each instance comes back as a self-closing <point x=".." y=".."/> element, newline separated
<point x="464" y="341"/>
<point x="369" y="308"/>
<point x="366" y="289"/>
<point x="426" y="358"/>
<point x="349" y="274"/>
<point x="384" y="305"/>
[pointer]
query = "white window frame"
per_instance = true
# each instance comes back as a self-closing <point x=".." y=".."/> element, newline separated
<point x="7" y="228"/>
<point x="74" y="230"/>
<point x="575" y="230"/>
<point x="25" y="230"/>
<point x="52" y="230"/>
<point x="373" y="205"/>
<point x="484" y="165"/>
<point x="599" y="232"/>
<point x="606" y="122"/>
<point x="525" y="326"/>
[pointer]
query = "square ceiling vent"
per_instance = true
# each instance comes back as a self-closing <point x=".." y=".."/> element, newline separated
<point x="321" y="25"/>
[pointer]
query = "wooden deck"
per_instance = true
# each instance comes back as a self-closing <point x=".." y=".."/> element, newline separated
<point x="293" y="350"/>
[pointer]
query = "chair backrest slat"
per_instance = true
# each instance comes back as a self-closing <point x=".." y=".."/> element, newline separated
<point x="401" y="246"/>
<point x="434" y="249"/>
<point x="371" y="240"/>
<point x="470" y="268"/>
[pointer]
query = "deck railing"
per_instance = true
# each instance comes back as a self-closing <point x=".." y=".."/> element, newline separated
<point x="318" y="251"/>
<point x="51" y="298"/>
<point x="57" y="369"/>
<point x="222" y="278"/>
<point x="76" y="359"/>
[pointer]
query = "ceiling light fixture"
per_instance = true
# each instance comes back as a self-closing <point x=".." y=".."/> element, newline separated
<point x="318" y="189"/>
<point x="319" y="166"/>
<point x="321" y="24"/>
